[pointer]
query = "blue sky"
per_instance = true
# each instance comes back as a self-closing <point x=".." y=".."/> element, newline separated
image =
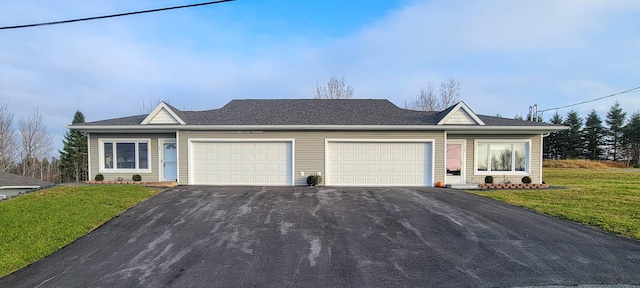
<point x="507" y="55"/>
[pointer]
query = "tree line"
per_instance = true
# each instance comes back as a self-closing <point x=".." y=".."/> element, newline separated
<point x="26" y="147"/>
<point x="617" y="138"/>
<point x="426" y="100"/>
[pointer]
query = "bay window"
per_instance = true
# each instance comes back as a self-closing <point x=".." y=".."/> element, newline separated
<point x="124" y="154"/>
<point x="504" y="157"/>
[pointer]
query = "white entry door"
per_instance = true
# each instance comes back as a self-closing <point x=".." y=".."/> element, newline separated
<point x="455" y="161"/>
<point x="169" y="161"/>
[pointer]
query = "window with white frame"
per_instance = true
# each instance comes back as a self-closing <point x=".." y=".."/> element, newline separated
<point x="124" y="154"/>
<point x="504" y="157"/>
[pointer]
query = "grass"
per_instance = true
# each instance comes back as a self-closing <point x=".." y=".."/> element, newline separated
<point x="35" y="225"/>
<point x="605" y="198"/>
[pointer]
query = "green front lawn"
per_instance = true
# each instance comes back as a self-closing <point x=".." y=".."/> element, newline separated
<point x="608" y="198"/>
<point x="35" y="225"/>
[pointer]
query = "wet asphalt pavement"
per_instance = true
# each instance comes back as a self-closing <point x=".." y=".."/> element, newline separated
<point x="200" y="236"/>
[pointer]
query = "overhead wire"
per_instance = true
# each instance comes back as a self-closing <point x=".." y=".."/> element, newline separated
<point x="592" y="100"/>
<point x="114" y="15"/>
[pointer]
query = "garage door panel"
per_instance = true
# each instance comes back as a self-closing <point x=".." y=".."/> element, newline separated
<point x="242" y="163"/>
<point x="380" y="163"/>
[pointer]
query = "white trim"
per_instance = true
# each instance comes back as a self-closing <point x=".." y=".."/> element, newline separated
<point x="541" y="156"/>
<point x="463" y="168"/>
<point x="161" y="142"/>
<point x="463" y="106"/>
<point x="502" y="141"/>
<point x="157" y="110"/>
<point x="327" y="179"/>
<point x="257" y="140"/>
<point x="103" y="170"/>
<point x="89" y="157"/>
<point x="178" y="156"/>
<point x="444" y="161"/>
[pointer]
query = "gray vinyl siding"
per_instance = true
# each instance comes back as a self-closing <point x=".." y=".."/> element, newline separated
<point x="534" y="160"/>
<point x="94" y="156"/>
<point x="309" y="147"/>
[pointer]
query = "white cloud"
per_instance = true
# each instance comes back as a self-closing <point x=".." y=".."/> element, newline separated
<point x="507" y="55"/>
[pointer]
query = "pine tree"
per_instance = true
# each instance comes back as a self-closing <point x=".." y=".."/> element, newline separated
<point x="615" y="120"/>
<point x="553" y="142"/>
<point x="631" y="139"/>
<point x="593" y="136"/>
<point x="73" y="157"/>
<point x="573" y="136"/>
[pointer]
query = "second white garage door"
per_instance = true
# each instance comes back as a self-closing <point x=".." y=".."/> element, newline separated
<point x="241" y="163"/>
<point x="379" y="163"/>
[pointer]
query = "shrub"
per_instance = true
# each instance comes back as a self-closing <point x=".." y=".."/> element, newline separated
<point x="99" y="177"/>
<point x="636" y="166"/>
<point x="136" y="177"/>
<point x="526" y="180"/>
<point x="314" y="180"/>
<point x="488" y="179"/>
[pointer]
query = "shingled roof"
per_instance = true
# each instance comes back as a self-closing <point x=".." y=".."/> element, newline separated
<point x="291" y="112"/>
<point x="8" y="179"/>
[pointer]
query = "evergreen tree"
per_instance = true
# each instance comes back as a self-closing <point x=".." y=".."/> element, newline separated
<point x="73" y="157"/>
<point x="615" y="120"/>
<point x="553" y="142"/>
<point x="631" y="139"/>
<point x="593" y="136"/>
<point x="573" y="136"/>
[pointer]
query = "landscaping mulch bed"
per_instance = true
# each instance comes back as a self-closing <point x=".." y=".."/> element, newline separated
<point x="512" y="186"/>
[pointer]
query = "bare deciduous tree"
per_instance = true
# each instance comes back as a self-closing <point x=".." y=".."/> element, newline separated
<point x="335" y="89"/>
<point x="147" y="105"/>
<point x="35" y="143"/>
<point x="7" y="139"/>
<point x="449" y="93"/>
<point x="427" y="100"/>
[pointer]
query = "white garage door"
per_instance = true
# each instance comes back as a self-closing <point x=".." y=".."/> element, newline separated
<point x="380" y="164"/>
<point x="241" y="163"/>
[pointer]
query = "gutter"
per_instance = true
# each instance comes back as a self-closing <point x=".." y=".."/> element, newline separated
<point x="19" y="187"/>
<point x="455" y="129"/>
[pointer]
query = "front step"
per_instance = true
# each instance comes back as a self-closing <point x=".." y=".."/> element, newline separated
<point x="463" y="186"/>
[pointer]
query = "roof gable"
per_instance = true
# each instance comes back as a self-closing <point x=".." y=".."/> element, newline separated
<point x="163" y="114"/>
<point x="460" y="114"/>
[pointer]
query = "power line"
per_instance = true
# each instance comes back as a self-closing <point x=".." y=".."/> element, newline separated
<point x="584" y="102"/>
<point x="114" y="15"/>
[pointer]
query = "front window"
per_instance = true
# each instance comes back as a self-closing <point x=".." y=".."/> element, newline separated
<point x="503" y="156"/>
<point x="124" y="155"/>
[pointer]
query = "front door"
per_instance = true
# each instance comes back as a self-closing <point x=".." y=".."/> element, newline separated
<point x="455" y="162"/>
<point x="169" y="161"/>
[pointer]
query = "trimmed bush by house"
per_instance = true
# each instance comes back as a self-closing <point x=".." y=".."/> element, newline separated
<point x="136" y="177"/>
<point x="526" y="180"/>
<point x="314" y="180"/>
<point x="99" y="177"/>
<point x="488" y="179"/>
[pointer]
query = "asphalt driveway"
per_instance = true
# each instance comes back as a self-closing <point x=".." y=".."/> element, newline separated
<point x="198" y="236"/>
